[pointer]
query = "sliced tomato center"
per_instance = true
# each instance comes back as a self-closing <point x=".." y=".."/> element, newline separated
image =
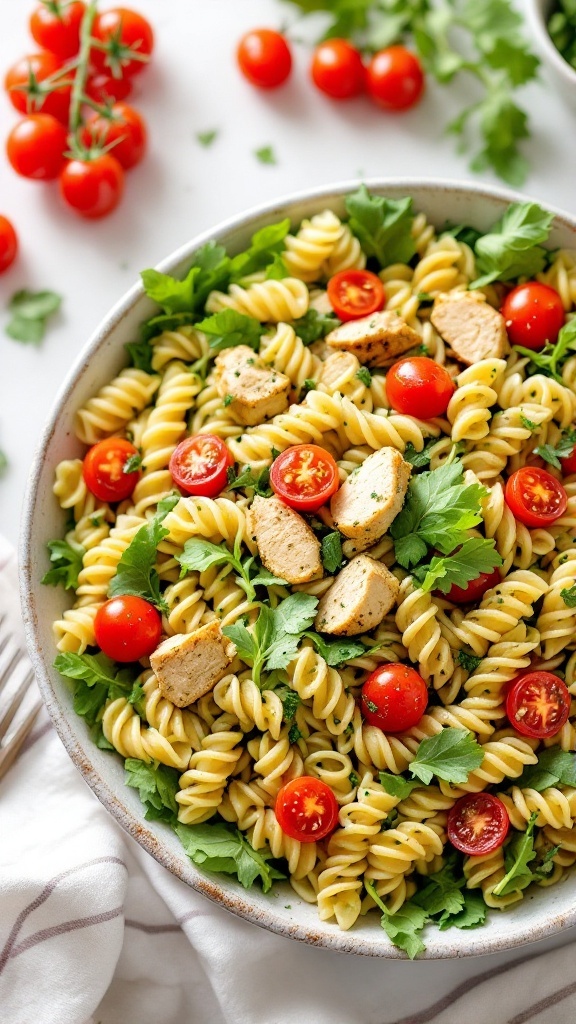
<point x="542" y="707"/>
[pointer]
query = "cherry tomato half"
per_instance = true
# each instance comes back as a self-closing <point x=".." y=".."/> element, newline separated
<point x="124" y="127"/>
<point x="105" y="471"/>
<point x="304" y="477"/>
<point x="264" y="58"/>
<point x="394" y="697"/>
<point x="56" y="27"/>
<point x="123" y="32"/>
<point x="337" y="69"/>
<point x="534" y="315"/>
<point x="127" y="628"/>
<point x="355" y="293"/>
<point x="25" y="96"/>
<point x="538" y="704"/>
<point x="535" y="497"/>
<point x="477" y="824"/>
<point x="306" y="809"/>
<point x="199" y="465"/>
<point x="8" y="244"/>
<point x="93" y="188"/>
<point x="394" y="78"/>
<point x="35" y="147"/>
<point x="417" y="386"/>
<point x="475" y="589"/>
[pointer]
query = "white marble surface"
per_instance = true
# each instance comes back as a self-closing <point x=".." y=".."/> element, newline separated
<point x="183" y="188"/>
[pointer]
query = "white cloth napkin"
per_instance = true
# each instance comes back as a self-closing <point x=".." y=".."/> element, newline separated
<point x="94" y="931"/>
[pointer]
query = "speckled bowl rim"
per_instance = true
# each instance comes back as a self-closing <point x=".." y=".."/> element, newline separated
<point x="223" y="892"/>
<point x="539" y="27"/>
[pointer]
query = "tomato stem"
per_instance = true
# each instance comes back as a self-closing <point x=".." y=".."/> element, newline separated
<point x="83" y="60"/>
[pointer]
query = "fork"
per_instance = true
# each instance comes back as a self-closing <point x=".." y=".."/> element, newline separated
<point x="8" y="672"/>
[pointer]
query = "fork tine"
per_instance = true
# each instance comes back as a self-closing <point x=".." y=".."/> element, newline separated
<point x="4" y="642"/>
<point x="8" y="669"/>
<point x="8" y="714"/>
<point x="8" y="753"/>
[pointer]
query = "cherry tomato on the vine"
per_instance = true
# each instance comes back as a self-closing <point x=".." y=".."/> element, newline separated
<point x="355" y="293"/>
<point x="93" y="187"/>
<point x="538" y="704"/>
<point x="56" y="27"/>
<point x="107" y="471"/>
<point x="105" y="89"/>
<point x="306" y="809"/>
<point x="305" y="477"/>
<point x="35" y="147"/>
<point x="124" y="127"/>
<point x="337" y="69"/>
<point x="475" y="589"/>
<point x="394" y="78"/>
<point x="199" y="465"/>
<point x="8" y="244"/>
<point x="127" y="628"/>
<point x="417" y="386"/>
<point x="394" y="697"/>
<point x="534" y="315"/>
<point x="264" y="58"/>
<point x="535" y="497"/>
<point x="123" y="33"/>
<point x="478" y="823"/>
<point x="23" y="83"/>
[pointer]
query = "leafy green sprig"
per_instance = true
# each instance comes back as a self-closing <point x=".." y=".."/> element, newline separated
<point x="200" y="554"/>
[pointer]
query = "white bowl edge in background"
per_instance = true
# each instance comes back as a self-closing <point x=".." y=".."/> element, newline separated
<point x="538" y="13"/>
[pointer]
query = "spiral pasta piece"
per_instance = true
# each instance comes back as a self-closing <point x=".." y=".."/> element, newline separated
<point x="217" y="519"/>
<point x="288" y="354"/>
<point x="505" y="757"/>
<point x="484" y="872"/>
<point x="186" y="344"/>
<point x="268" y="301"/>
<point x="176" y="725"/>
<point x="469" y="407"/>
<point x="250" y="705"/>
<point x="346" y="254"/>
<point x="557" y="620"/>
<point x="115" y="405"/>
<point x="124" y="729"/>
<point x="314" y="680"/>
<point x="421" y="634"/>
<point x="554" y="807"/>
<point x="500" y="610"/>
<point x="202" y="786"/>
<point x="312" y="245"/>
<point x="396" y="851"/>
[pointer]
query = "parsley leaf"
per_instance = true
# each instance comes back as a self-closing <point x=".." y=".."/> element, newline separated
<point x="290" y="702"/>
<point x="419" y="459"/>
<point x="229" y="328"/>
<point x="207" y="138"/>
<point x="265" y="155"/>
<point x="66" y="561"/>
<point x="468" y="660"/>
<point x="336" y="652"/>
<point x="554" y="766"/>
<point x="219" y="847"/>
<point x="563" y="449"/>
<point x="549" y="358"/>
<point x="397" y="786"/>
<point x="30" y="312"/>
<point x="314" y="326"/>
<point x="518" y="855"/>
<point x="450" y="755"/>
<point x="364" y="375"/>
<point x="383" y="226"/>
<point x="475" y="556"/>
<point x="275" y="636"/>
<point x="136" y="573"/>
<point x="200" y="554"/>
<point x="157" y="785"/>
<point x="265" y="245"/>
<point x="528" y="424"/>
<point x="512" y="248"/>
<point x="210" y="269"/>
<point x="247" y="478"/>
<point x="472" y="914"/>
<point x="331" y="552"/>
<point x="568" y="595"/>
<point x="442" y="893"/>
<point x="402" y="928"/>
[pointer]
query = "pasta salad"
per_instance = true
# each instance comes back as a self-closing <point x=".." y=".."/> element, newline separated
<point x="322" y="550"/>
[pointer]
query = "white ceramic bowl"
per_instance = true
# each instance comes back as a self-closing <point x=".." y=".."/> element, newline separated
<point x="545" y="912"/>
<point x="563" y="74"/>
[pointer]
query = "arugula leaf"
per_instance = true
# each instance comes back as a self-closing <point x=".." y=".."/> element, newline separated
<point x="336" y="652"/>
<point x="314" y="325"/>
<point x="219" y="847"/>
<point x="247" y="478"/>
<point x="229" y="328"/>
<point x="475" y="556"/>
<point x="442" y="892"/>
<point x="468" y="660"/>
<point x="549" y="358"/>
<point x="512" y="248"/>
<point x="471" y="915"/>
<point x="383" y="226"/>
<point x="66" y="558"/>
<point x="157" y="785"/>
<point x="563" y="449"/>
<point x="30" y="312"/>
<point x="518" y="855"/>
<point x="419" y="459"/>
<point x="266" y="244"/>
<point x="402" y="928"/>
<point x="136" y="573"/>
<point x="331" y="552"/>
<point x="265" y="155"/>
<point x="568" y="595"/>
<point x="210" y="270"/>
<point x="207" y="138"/>
<point x="398" y="786"/>
<point x="140" y="354"/>
<point x="554" y="766"/>
<point x="276" y="270"/>
<point x="96" y="679"/>
<point x="93" y="669"/>
<point x="450" y="755"/>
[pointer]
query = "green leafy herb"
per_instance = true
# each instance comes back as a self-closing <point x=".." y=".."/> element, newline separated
<point x="207" y="138"/>
<point x="136" y="573"/>
<point x="468" y="660"/>
<point x="364" y="375"/>
<point x="290" y="702"/>
<point x="354" y="779"/>
<point x="294" y="734"/>
<point x="276" y="270"/>
<point x="96" y="679"/>
<point x="568" y="595"/>
<point x="210" y="270"/>
<point x="274" y="639"/>
<point x="308" y="385"/>
<point x="200" y="554"/>
<point x="383" y="226"/>
<point x="266" y="246"/>
<point x="132" y="464"/>
<point x="314" y="326"/>
<point x="562" y="29"/>
<point x="419" y="459"/>
<point x="450" y="755"/>
<point x="331" y="552"/>
<point x="472" y="914"/>
<point x="336" y="652"/>
<point x="66" y="561"/>
<point x="528" y="424"/>
<point x="30" y="312"/>
<point x="549" y="359"/>
<point x="552" y="454"/>
<point x="442" y="894"/>
<point x="218" y="847"/>
<point x="554" y="766"/>
<point x="518" y="855"/>
<point x="475" y="556"/>
<point x="157" y="785"/>
<point x="229" y="328"/>
<point x="513" y="247"/>
<point x="397" y="786"/>
<point x="247" y="478"/>
<point x="140" y="354"/>
<point x="402" y="928"/>
<point x="265" y="155"/>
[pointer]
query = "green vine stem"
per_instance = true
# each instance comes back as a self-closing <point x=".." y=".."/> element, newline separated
<point x="83" y="62"/>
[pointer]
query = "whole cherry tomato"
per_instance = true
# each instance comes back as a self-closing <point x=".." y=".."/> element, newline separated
<point x="394" y="78"/>
<point x="337" y="69"/>
<point x="8" y="244"/>
<point x="55" y="26"/>
<point x="306" y="809"/>
<point x="127" y="628"/>
<point x="478" y="823"/>
<point x="535" y="497"/>
<point x="126" y="35"/>
<point x="109" y="471"/>
<point x="534" y="315"/>
<point x="305" y="477"/>
<point x="475" y="589"/>
<point x="417" y="386"/>
<point x="538" y="704"/>
<point x="264" y="58"/>
<point x="26" y="91"/>
<point x="105" y="89"/>
<point x="36" y="145"/>
<point x="124" y="127"/>
<point x="93" y="187"/>
<point x="569" y="463"/>
<point x="199" y="465"/>
<point x="394" y="697"/>
<point x="355" y="293"/>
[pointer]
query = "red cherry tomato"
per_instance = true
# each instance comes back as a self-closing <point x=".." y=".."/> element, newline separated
<point x="569" y="464"/>
<point x="534" y="315"/>
<point x="56" y="27"/>
<point x="199" y="465"/>
<point x="264" y="58"/>
<point x="478" y="823"/>
<point x="104" y="89"/>
<point x="37" y="67"/>
<point x="535" y="497"/>
<point x="355" y="293"/>
<point x="93" y="187"/>
<point x="417" y="386"/>
<point x="337" y="69"/>
<point x="125" y="128"/>
<point x="538" y="704"/>
<point x="127" y="628"/>
<point x="475" y="589"/>
<point x="394" y="697"/>
<point x="8" y="244"/>
<point x="124" y="32"/>
<point x="394" y="78"/>
<point x="306" y="809"/>
<point x="104" y="469"/>
<point x="35" y="147"/>
<point x="305" y="477"/>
